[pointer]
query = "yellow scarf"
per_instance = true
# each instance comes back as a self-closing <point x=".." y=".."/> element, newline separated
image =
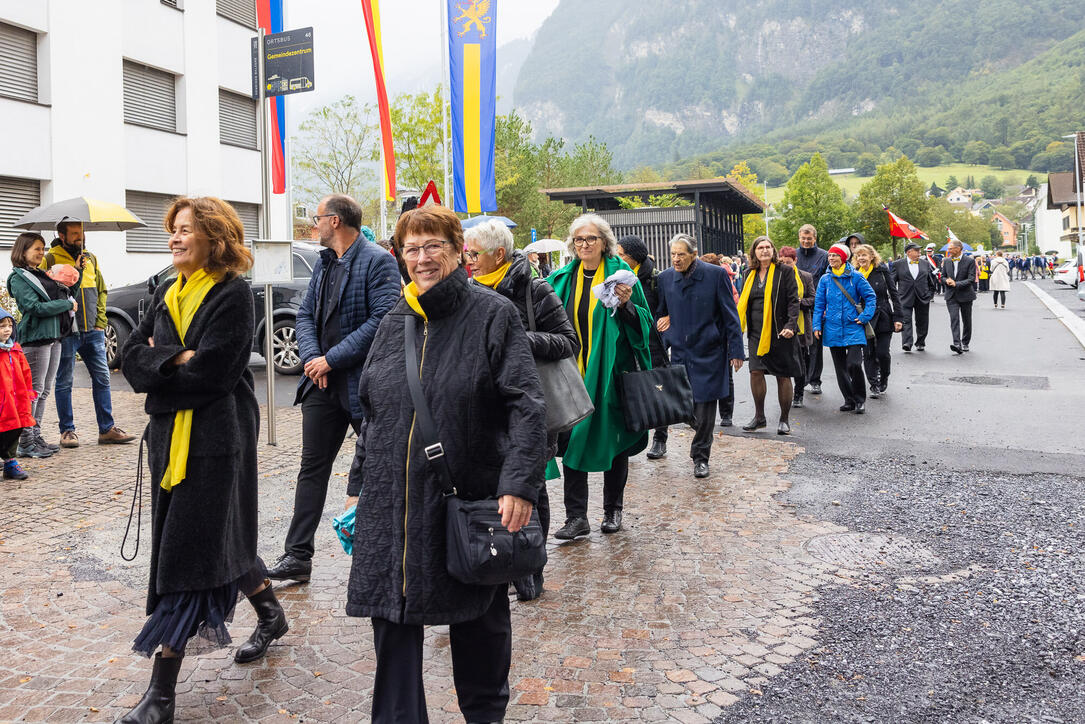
<point x="636" y="269"/>
<point x="802" y="290"/>
<point x="839" y="271"/>
<point x="866" y="273"/>
<point x="585" y="342"/>
<point x="410" y="293"/>
<point x="182" y="303"/>
<point x="494" y="278"/>
<point x="765" y="341"/>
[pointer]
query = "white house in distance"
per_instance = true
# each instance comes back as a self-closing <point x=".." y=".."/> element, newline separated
<point x="133" y="102"/>
<point x="959" y="197"/>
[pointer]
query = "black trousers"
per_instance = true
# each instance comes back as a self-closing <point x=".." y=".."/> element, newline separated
<point x="481" y="658"/>
<point x="726" y="410"/>
<point x="576" y="487"/>
<point x="9" y="442"/>
<point x="876" y="359"/>
<point x="848" y="362"/>
<point x="960" y="316"/>
<point x="922" y="313"/>
<point x="800" y="381"/>
<point x="704" y="414"/>
<point x="995" y="295"/>
<point x="324" y="425"/>
<point x="817" y="362"/>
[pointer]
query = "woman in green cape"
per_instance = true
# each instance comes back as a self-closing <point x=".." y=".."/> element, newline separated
<point x="612" y="342"/>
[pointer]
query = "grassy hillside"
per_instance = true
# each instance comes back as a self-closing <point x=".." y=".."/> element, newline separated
<point x="936" y="174"/>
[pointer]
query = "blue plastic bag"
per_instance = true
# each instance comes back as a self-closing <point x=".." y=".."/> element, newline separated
<point x="344" y="528"/>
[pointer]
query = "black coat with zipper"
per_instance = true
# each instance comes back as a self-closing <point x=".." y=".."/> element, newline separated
<point x="889" y="311"/>
<point x="204" y="531"/>
<point x="648" y="277"/>
<point x="479" y="379"/>
<point x="554" y="337"/>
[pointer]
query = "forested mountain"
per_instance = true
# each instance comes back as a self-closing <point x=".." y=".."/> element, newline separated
<point x="663" y="81"/>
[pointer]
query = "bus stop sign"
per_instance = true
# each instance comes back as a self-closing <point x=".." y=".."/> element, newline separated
<point x="288" y="63"/>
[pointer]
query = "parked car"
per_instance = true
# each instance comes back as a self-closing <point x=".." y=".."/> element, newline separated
<point x="1067" y="274"/>
<point x="125" y="307"/>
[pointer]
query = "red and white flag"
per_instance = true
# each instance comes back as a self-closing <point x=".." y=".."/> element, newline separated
<point x="900" y="228"/>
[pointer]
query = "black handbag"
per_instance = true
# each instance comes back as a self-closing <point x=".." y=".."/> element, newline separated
<point x="479" y="550"/>
<point x="868" y="328"/>
<point x="567" y="400"/>
<point x="656" y="397"/>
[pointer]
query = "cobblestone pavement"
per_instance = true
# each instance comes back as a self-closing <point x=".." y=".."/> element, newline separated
<point x="702" y="598"/>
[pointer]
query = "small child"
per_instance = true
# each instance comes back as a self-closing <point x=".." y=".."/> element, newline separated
<point x="16" y="392"/>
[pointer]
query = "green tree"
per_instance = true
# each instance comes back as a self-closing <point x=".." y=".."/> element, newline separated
<point x="952" y="183"/>
<point x="1032" y="182"/>
<point x="867" y="165"/>
<point x="416" y="124"/>
<point x="753" y="225"/>
<point x="930" y="156"/>
<point x="896" y="186"/>
<point x="335" y="151"/>
<point x="968" y="227"/>
<point x="773" y="173"/>
<point x="976" y="152"/>
<point x="991" y="187"/>
<point x="934" y="191"/>
<point x="1001" y="157"/>
<point x="811" y="197"/>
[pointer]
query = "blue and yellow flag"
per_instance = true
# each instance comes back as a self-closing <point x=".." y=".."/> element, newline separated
<point x="472" y="52"/>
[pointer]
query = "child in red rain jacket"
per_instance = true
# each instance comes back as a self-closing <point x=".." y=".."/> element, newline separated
<point x="16" y="392"/>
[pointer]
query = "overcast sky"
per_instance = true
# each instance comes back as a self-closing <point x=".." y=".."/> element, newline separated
<point x="411" y="31"/>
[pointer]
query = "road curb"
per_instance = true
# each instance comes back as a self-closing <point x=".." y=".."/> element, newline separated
<point x="1074" y="323"/>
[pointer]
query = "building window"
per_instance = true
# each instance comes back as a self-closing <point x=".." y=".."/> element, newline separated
<point x="240" y="11"/>
<point x="18" y="63"/>
<point x="150" y="97"/>
<point x="17" y="196"/>
<point x="152" y="209"/>
<point x="173" y="4"/>
<point x="237" y="119"/>
<point x="250" y="218"/>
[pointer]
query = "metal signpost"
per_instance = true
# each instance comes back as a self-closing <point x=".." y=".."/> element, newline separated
<point x="282" y="63"/>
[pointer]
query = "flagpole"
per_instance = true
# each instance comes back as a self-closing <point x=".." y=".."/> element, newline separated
<point x="383" y="198"/>
<point x="446" y="98"/>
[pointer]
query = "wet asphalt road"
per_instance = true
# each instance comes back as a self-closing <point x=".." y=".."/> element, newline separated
<point x="962" y="584"/>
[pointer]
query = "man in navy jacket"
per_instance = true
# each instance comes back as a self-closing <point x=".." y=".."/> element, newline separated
<point x="354" y="284"/>
<point x="814" y="261"/>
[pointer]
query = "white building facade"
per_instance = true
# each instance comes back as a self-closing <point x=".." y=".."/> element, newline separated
<point x="133" y="102"/>
<point x="1048" y="229"/>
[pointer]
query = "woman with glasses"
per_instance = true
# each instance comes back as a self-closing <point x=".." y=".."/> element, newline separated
<point x="479" y="380"/>
<point x="612" y="342"/>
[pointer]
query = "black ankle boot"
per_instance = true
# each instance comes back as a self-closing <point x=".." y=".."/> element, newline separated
<point x="270" y="625"/>
<point x="156" y="706"/>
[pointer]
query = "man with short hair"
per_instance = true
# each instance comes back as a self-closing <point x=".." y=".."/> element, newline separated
<point x="354" y="284"/>
<point x="915" y="280"/>
<point x="87" y="339"/>
<point x="959" y="273"/>
<point x="814" y="261"/>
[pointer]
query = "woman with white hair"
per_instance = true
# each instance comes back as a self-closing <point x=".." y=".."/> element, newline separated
<point x="610" y="346"/>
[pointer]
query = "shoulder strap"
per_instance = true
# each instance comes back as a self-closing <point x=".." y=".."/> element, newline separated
<point x="530" y="308"/>
<point x="435" y="452"/>
<point x="835" y="279"/>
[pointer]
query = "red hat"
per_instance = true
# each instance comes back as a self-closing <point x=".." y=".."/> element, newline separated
<point x="840" y="250"/>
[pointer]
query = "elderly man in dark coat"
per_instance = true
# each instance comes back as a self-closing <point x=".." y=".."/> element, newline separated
<point x="699" y="322"/>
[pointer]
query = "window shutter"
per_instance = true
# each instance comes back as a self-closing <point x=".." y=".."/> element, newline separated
<point x="171" y="3"/>
<point x="241" y="11"/>
<point x="17" y="196"/>
<point x="149" y="97"/>
<point x="237" y="119"/>
<point x="152" y="209"/>
<point x="250" y="218"/>
<point x="18" y="63"/>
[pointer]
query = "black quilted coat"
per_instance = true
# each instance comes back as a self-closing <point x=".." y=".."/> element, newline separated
<point x="480" y="381"/>
<point x="555" y="338"/>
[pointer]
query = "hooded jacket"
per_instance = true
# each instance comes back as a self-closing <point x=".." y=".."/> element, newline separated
<point x="16" y="386"/>
<point x="554" y="337"/>
<point x="91" y="291"/>
<point x="45" y="305"/>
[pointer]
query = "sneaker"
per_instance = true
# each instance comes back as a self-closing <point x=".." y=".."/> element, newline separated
<point x="573" y="528"/>
<point x="47" y="445"/>
<point x="115" y="436"/>
<point x="68" y="438"/>
<point x="33" y="450"/>
<point x="14" y="471"/>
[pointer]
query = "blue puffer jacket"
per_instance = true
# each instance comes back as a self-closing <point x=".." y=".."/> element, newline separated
<point x="371" y="288"/>
<point x="835" y="316"/>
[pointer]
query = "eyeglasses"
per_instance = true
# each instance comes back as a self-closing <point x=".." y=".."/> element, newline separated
<point x="317" y="217"/>
<point x="430" y="250"/>
<point x="585" y="240"/>
<point x="474" y="255"/>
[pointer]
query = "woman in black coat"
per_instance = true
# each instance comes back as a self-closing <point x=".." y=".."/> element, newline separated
<point x="888" y="319"/>
<point x="190" y="354"/>
<point x="478" y="376"/>
<point x="496" y="263"/>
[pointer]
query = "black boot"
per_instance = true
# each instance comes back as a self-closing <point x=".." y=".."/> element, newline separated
<point x="270" y="625"/>
<point x="156" y="706"/>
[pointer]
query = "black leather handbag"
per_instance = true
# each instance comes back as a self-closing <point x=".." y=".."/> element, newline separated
<point x="656" y="398"/>
<point x="479" y="550"/>
<point x="567" y="400"/>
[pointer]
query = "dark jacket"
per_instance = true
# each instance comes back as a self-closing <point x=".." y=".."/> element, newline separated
<point x="838" y="320"/>
<point x="705" y="334"/>
<point x="965" y="289"/>
<point x="889" y="311"/>
<point x="370" y="289"/>
<point x="480" y="381"/>
<point x="782" y="357"/>
<point x="554" y="337"/>
<point x="648" y="276"/>
<point x="203" y="533"/>
<point x="918" y="291"/>
<point x="90" y="291"/>
<point x="46" y="306"/>
<point x="806" y="306"/>
<point x="814" y="262"/>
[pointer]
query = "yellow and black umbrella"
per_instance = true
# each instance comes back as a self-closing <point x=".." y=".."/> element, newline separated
<point x="93" y="214"/>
